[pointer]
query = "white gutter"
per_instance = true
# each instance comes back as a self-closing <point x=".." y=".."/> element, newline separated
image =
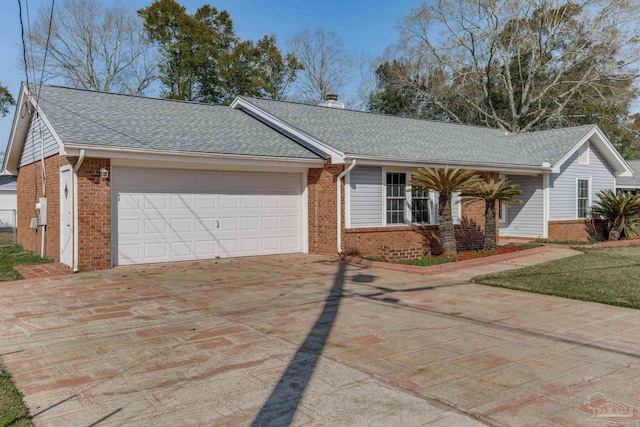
<point x="153" y="155"/>
<point x="76" y="168"/>
<point x="339" y="197"/>
<point x="416" y="163"/>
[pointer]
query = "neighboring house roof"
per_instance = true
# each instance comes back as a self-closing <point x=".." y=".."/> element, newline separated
<point x="377" y="135"/>
<point x="631" y="181"/>
<point x="8" y="183"/>
<point x="134" y="122"/>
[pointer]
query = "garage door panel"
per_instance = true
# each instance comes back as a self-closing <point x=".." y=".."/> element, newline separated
<point x="201" y="215"/>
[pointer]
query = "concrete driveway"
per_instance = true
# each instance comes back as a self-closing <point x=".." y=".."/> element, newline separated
<point x="308" y="340"/>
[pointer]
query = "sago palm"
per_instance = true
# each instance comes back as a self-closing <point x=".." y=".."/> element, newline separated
<point x="620" y="210"/>
<point x="492" y="193"/>
<point x="446" y="182"/>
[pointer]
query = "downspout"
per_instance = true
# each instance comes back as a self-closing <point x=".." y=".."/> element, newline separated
<point x="339" y="196"/>
<point x="76" y="168"/>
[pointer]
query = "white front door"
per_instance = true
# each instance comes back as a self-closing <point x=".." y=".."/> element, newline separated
<point x="177" y="215"/>
<point x="66" y="225"/>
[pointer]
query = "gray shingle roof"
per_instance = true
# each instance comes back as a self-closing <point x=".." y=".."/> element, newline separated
<point x="103" y="119"/>
<point x="631" y="181"/>
<point x="367" y="134"/>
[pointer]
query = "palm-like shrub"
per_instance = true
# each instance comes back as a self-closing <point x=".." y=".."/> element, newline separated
<point x="446" y="182"/>
<point x="620" y="209"/>
<point x="492" y="193"/>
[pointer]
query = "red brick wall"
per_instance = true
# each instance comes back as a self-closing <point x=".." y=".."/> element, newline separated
<point x="575" y="229"/>
<point x="322" y="208"/>
<point x="94" y="216"/>
<point x="29" y="191"/>
<point x="369" y="241"/>
<point x="94" y="201"/>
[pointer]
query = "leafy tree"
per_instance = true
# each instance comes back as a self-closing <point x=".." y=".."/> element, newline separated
<point x="93" y="46"/>
<point x="492" y="193"/>
<point x="521" y="65"/>
<point x="6" y="100"/>
<point x="620" y="209"/>
<point x="204" y="60"/>
<point x="446" y="182"/>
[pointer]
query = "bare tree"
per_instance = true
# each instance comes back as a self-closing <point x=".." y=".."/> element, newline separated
<point x="522" y="64"/>
<point x="93" y="46"/>
<point x="327" y="65"/>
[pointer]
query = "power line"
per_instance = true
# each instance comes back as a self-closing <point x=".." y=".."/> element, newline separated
<point x="32" y="57"/>
<point x="46" y="49"/>
<point x="24" y="45"/>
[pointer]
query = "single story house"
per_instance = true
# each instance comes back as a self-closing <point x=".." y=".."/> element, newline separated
<point x="8" y="202"/>
<point x="107" y="179"/>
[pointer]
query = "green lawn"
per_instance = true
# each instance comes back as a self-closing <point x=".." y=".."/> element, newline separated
<point x="607" y="275"/>
<point x="13" y="411"/>
<point x="11" y="256"/>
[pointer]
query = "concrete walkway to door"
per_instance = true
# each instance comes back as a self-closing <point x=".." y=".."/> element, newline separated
<point x="309" y="340"/>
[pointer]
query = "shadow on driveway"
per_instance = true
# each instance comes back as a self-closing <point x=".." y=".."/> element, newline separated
<point x="281" y="406"/>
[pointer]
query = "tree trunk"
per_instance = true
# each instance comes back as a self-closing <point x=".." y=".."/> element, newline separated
<point x="445" y="226"/>
<point x="616" y="229"/>
<point x="490" y="237"/>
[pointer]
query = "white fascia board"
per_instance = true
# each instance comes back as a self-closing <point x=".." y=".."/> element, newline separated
<point x="614" y="158"/>
<point x="483" y="167"/>
<point x="20" y="130"/>
<point x="189" y="157"/>
<point x="337" y="157"/>
<point x="16" y="137"/>
<point x="627" y="187"/>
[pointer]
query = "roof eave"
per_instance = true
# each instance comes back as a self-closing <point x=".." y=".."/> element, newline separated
<point x="415" y="163"/>
<point x="111" y="152"/>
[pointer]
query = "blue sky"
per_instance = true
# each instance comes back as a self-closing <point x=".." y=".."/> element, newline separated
<point x="365" y="26"/>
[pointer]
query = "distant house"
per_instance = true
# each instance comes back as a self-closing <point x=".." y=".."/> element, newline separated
<point x="630" y="183"/>
<point x="133" y="180"/>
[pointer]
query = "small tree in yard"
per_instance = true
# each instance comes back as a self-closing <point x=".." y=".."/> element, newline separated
<point x="493" y="192"/>
<point x="446" y="182"/>
<point x="620" y="210"/>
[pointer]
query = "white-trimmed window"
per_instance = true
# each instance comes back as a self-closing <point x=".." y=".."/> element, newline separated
<point x="420" y="206"/>
<point x="405" y="204"/>
<point x="396" y="197"/>
<point x="582" y="196"/>
<point x="502" y="212"/>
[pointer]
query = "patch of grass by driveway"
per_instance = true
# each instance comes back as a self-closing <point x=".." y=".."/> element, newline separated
<point x="11" y="256"/>
<point x="13" y="411"/>
<point x="607" y="275"/>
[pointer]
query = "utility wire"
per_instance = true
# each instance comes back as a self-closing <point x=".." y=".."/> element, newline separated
<point x="46" y="50"/>
<point x="32" y="57"/>
<point x="24" y="45"/>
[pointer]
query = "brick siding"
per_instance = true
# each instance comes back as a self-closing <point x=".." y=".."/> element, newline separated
<point x="392" y="253"/>
<point x="370" y="240"/>
<point x="94" y="216"/>
<point x="29" y="190"/>
<point x="576" y="229"/>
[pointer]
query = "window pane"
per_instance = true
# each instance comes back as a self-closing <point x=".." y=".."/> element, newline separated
<point x="396" y="187"/>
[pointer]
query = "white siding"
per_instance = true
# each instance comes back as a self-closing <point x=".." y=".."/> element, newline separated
<point x="526" y="220"/>
<point x="365" y="188"/>
<point x="38" y="132"/>
<point x="562" y="191"/>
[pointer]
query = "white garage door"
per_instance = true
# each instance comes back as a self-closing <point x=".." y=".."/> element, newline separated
<point x="169" y="215"/>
